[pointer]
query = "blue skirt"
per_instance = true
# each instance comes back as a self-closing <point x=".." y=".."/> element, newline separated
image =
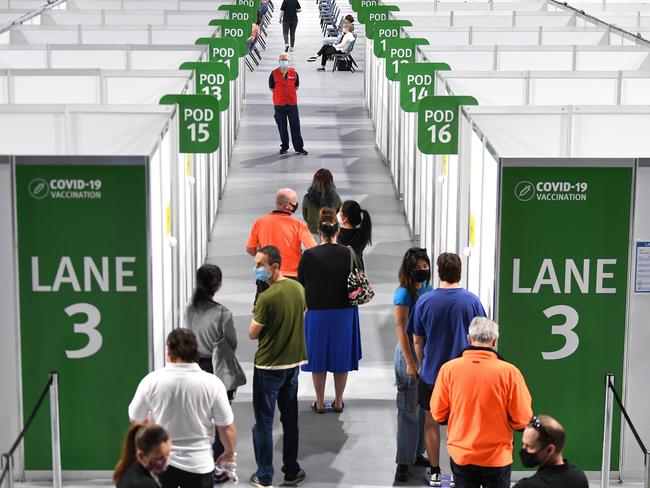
<point x="333" y="340"/>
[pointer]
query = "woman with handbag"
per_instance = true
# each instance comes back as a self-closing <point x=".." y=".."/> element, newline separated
<point x="331" y="322"/>
<point x="216" y="336"/>
<point x="356" y="228"/>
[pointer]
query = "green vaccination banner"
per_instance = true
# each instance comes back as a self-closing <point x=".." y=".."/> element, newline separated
<point x="82" y="247"/>
<point x="563" y="275"/>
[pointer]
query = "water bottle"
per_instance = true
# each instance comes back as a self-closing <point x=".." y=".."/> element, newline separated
<point x="228" y="467"/>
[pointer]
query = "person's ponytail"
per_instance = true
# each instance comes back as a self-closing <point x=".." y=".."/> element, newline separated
<point x="365" y="228"/>
<point x="128" y="452"/>
<point x="140" y="436"/>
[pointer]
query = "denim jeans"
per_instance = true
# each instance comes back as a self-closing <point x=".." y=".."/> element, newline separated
<point x="271" y="386"/>
<point x="410" y="418"/>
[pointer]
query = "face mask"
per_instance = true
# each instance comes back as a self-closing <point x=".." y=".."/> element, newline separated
<point x="420" y="275"/>
<point x="294" y="207"/>
<point x="284" y="63"/>
<point x="262" y="274"/>
<point x="528" y="459"/>
<point x="158" y="466"/>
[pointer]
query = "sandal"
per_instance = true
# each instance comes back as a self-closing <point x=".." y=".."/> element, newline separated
<point x="338" y="410"/>
<point x="316" y="409"/>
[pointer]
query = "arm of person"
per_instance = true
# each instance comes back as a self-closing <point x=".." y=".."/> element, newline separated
<point x="258" y="321"/>
<point x="298" y="7"/>
<point x="228" y="437"/>
<point x="520" y="409"/>
<point x="229" y="329"/>
<point x="401" y="317"/>
<point x="281" y="11"/>
<point x="255" y="330"/>
<point x="418" y="343"/>
<point x="297" y="81"/>
<point x="306" y="238"/>
<point x="139" y="408"/>
<point x="440" y="405"/>
<point x="271" y="82"/>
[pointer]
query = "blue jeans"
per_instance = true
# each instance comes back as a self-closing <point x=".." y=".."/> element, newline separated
<point x="410" y="418"/>
<point x="269" y="387"/>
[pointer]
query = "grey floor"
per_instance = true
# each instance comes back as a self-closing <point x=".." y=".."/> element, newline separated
<point x="355" y="448"/>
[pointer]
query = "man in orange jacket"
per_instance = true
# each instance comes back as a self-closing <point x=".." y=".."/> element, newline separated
<point x="482" y="398"/>
<point x="284" y="83"/>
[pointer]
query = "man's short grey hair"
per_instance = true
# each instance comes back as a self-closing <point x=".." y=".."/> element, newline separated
<point x="285" y="55"/>
<point x="483" y="330"/>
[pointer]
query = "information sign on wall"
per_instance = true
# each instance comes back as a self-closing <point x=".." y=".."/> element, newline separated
<point x="563" y="274"/>
<point x="378" y="13"/>
<point x="82" y="258"/>
<point x="387" y="29"/>
<point x="438" y="123"/>
<point x="417" y="81"/>
<point x="234" y="29"/>
<point x="211" y="79"/>
<point x="222" y="50"/>
<point x="198" y="122"/>
<point x="399" y="52"/>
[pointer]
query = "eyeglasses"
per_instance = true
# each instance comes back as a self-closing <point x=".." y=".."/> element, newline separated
<point x="537" y="425"/>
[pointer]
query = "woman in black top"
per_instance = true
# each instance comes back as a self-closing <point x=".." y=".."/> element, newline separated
<point x="356" y="228"/>
<point x="289" y="20"/>
<point x="331" y="324"/>
<point x="145" y="455"/>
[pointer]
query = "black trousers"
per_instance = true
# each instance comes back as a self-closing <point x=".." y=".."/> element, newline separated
<point x="289" y="32"/>
<point x="284" y="113"/>
<point x="175" y="478"/>
<point x="470" y="476"/>
<point x="326" y="51"/>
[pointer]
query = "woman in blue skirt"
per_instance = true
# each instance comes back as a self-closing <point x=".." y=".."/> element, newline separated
<point x="331" y="323"/>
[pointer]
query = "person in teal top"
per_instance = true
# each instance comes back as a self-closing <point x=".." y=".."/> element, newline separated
<point x="414" y="279"/>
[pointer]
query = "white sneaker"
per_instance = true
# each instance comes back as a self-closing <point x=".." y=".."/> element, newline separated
<point x="290" y="49"/>
<point x="452" y="481"/>
<point x="435" y="479"/>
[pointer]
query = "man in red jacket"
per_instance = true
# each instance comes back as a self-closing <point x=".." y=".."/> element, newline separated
<point x="284" y="83"/>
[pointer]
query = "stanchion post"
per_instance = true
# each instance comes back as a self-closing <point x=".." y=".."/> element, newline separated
<point x="607" y="431"/>
<point x="57" y="481"/>
<point x="646" y="471"/>
<point x="9" y="462"/>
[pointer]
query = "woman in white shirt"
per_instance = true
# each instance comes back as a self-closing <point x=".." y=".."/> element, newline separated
<point x="341" y="48"/>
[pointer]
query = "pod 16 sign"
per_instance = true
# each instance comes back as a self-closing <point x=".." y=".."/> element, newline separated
<point x="198" y="122"/>
<point x="211" y="79"/>
<point x="438" y="123"/>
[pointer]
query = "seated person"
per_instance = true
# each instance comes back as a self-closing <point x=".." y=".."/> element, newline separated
<point x="255" y="33"/>
<point x="336" y="39"/>
<point x="342" y="47"/>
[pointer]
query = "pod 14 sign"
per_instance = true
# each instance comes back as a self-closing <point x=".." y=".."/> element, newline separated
<point x="83" y="273"/>
<point x="563" y="275"/>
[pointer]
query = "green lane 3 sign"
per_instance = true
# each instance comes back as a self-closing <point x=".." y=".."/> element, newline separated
<point x="234" y="29"/>
<point x="417" y="81"/>
<point x="211" y="79"/>
<point x="83" y="274"/>
<point x="438" y="123"/>
<point x="384" y="30"/>
<point x="399" y="52"/>
<point x="224" y="51"/>
<point x="562" y="293"/>
<point x="198" y="122"/>
<point x="377" y="13"/>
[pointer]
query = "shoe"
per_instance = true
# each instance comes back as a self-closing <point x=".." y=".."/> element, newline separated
<point x="286" y="48"/>
<point x="291" y="49"/>
<point x="283" y="151"/>
<point x="435" y="479"/>
<point x="452" y="481"/>
<point x="402" y="473"/>
<point x="294" y="479"/>
<point x="255" y="481"/>
<point x="316" y="409"/>
<point x="312" y="59"/>
<point x="320" y="68"/>
<point x="421" y="461"/>
<point x="221" y="478"/>
<point x="337" y="410"/>
<point x="302" y="151"/>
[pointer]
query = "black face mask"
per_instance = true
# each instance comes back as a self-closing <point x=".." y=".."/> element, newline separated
<point x="420" y="275"/>
<point x="528" y="459"/>
<point x="294" y="207"/>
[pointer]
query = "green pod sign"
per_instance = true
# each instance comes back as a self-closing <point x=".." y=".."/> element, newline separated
<point x="83" y="284"/>
<point x="400" y="52"/>
<point x="234" y="29"/>
<point x="377" y="13"/>
<point x="417" y="81"/>
<point x="211" y="79"/>
<point x="198" y="122"/>
<point x="438" y="123"/>
<point x="358" y="5"/>
<point x="254" y="4"/>
<point x="563" y="289"/>
<point x="384" y="30"/>
<point x="240" y="13"/>
<point x="224" y="51"/>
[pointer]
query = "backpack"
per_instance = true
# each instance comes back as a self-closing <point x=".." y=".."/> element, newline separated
<point x="344" y="65"/>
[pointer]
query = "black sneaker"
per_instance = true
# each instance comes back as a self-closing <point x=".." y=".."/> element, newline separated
<point x="221" y="478"/>
<point x="283" y="151"/>
<point x="294" y="479"/>
<point x="402" y="473"/>
<point x="286" y="48"/>
<point x="434" y="478"/>
<point x="312" y="59"/>
<point x="421" y="461"/>
<point x="302" y="151"/>
<point x="255" y="481"/>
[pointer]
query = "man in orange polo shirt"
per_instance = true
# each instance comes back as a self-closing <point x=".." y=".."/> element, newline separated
<point x="280" y="229"/>
<point x="482" y="399"/>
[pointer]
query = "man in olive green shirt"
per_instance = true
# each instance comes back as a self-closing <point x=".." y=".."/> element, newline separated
<point x="278" y="324"/>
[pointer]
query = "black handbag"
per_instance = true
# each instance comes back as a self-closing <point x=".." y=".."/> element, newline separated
<point x="360" y="290"/>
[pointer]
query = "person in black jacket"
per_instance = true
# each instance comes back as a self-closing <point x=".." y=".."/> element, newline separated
<point x="356" y="228"/>
<point x="145" y="455"/>
<point x="543" y="443"/>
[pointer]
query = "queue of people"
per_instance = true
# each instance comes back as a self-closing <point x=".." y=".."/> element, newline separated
<point x="447" y="368"/>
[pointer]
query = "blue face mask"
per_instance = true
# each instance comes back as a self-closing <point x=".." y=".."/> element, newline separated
<point x="261" y="274"/>
<point x="284" y="63"/>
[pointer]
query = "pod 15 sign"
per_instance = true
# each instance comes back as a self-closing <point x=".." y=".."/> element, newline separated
<point x="198" y="122"/>
<point x="438" y="123"/>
